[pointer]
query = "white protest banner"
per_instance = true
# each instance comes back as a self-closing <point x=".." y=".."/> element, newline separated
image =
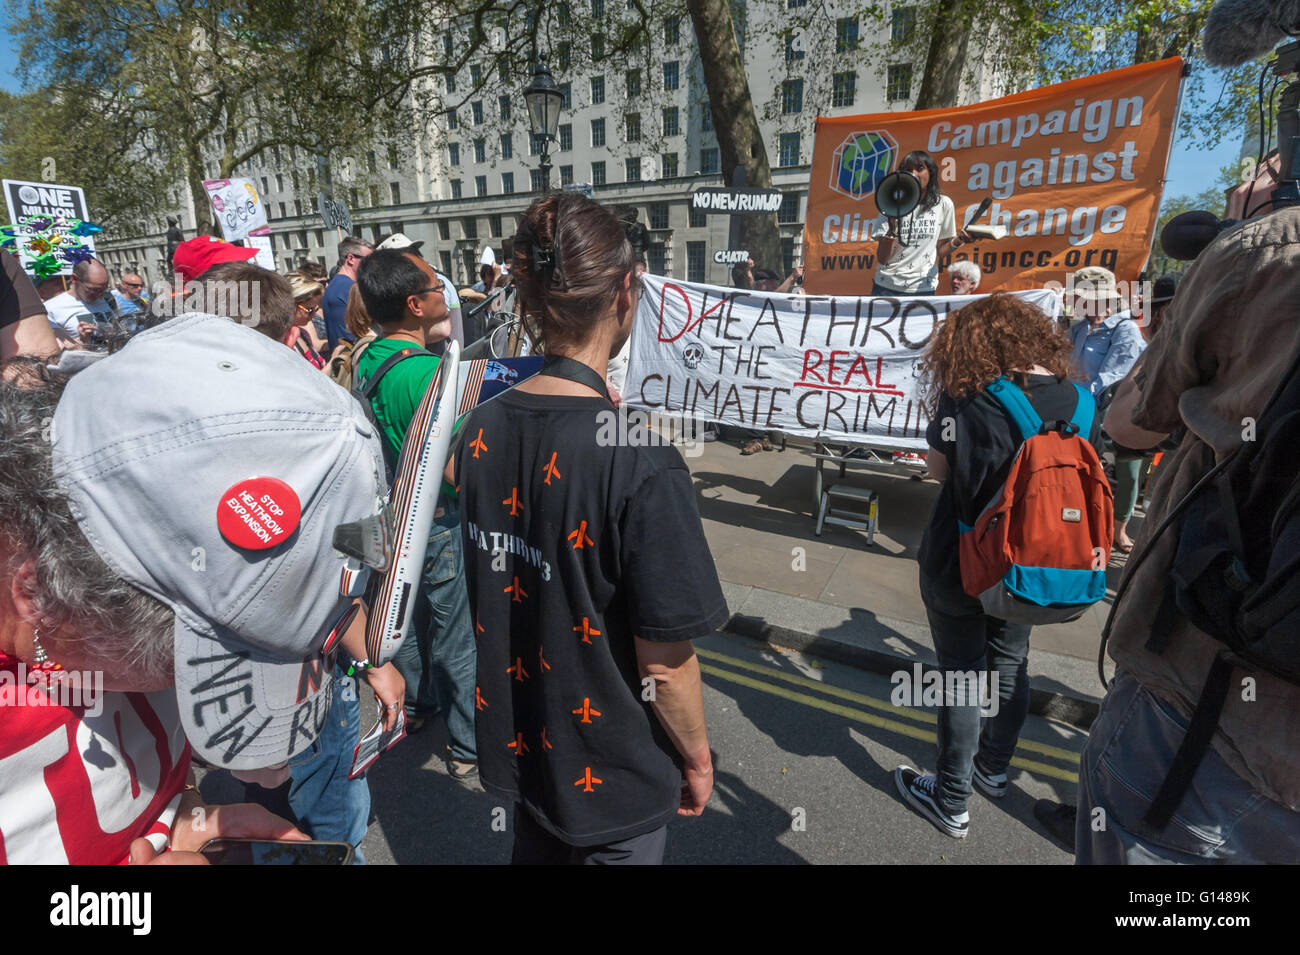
<point x="238" y="207"/>
<point x="50" y="201"/>
<point x="265" y="254"/>
<point x="840" y="367"/>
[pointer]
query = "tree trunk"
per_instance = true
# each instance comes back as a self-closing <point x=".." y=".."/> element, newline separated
<point x="740" y="141"/>
<point x="194" y="176"/>
<point x="949" y="37"/>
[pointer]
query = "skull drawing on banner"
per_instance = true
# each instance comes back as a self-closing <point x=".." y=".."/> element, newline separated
<point x="692" y="355"/>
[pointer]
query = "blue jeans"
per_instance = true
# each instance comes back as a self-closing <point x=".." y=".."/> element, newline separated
<point x="966" y="639"/>
<point x="438" y="658"/>
<point x="329" y="806"/>
<point x="1222" y="818"/>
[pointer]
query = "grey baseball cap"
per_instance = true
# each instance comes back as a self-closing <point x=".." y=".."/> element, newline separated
<point x="208" y="466"/>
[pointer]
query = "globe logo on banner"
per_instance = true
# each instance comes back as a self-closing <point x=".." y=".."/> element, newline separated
<point x="860" y="162"/>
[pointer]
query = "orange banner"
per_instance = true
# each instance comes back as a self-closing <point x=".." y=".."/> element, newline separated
<point x="1075" y="172"/>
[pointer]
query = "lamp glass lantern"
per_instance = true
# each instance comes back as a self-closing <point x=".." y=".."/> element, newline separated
<point x="544" y="100"/>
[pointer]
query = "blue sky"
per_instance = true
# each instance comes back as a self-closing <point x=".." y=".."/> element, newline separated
<point x="1190" y="170"/>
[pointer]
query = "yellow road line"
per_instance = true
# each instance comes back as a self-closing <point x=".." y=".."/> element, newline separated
<point x="893" y="726"/>
<point x="1042" y="749"/>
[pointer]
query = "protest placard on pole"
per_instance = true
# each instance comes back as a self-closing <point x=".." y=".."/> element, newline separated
<point x="1075" y="172"/>
<point x="237" y="206"/>
<point x="52" y="202"/>
<point x="811" y="365"/>
<point x="335" y="214"/>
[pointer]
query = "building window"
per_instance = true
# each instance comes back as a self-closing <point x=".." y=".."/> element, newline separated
<point x="266" y="186"/>
<point x="793" y="4"/>
<point x="787" y="254"/>
<point x="633" y="80"/>
<point x="494" y="225"/>
<point x="565" y="55"/>
<point x="597" y="90"/>
<point x="370" y="162"/>
<point x="792" y="96"/>
<point x="846" y="34"/>
<point x="476" y="109"/>
<point x="709" y="160"/>
<point x="844" y="89"/>
<point x="566" y="90"/>
<point x="451" y="82"/>
<point x="597" y="46"/>
<point x="476" y="74"/>
<point x="452" y="122"/>
<point x="632" y="127"/>
<point x="480" y="150"/>
<point x="503" y="103"/>
<point x="657" y="214"/>
<point x="899" y="82"/>
<point x="535" y="179"/>
<point x="706" y="118"/>
<point x="354" y="199"/>
<point x="480" y="185"/>
<point x="566" y="175"/>
<point x="447" y="47"/>
<point x="453" y="154"/>
<point x="284" y="211"/>
<point x="788" y="214"/>
<point x="564" y="14"/>
<point x="456" y="190"/>
<point x="503" y="70"/>
<point x="672" y="31"/>
<point x="598" y="132"/>
<point x="597" y="9"/>
<point x="902" y="24"/>
<point x="534" y="145"/>
<point x="672" y="121"/>
<point x="566" y="136"/>
<point x="670" y="75"/>
<point x="508" y="183"/>
<point x="374" y="197"/>
<point x="507" y="146"/>
<point x="670" y="170"/>
<point x="445" y="255"/>
<point x="632" y="169"/>
<point x="698" y="218"/>
<point x="297" y="207"/>
<point x="470" y="225"/>
<point x="793" y="47"/>
<point x="279" y="182"/>
<point x="789" y="154"/>
<point x="598" y="173"/>
<point x="695" y="261"/>
<point x="395" y="190"/>
<point x="444" y="230"/>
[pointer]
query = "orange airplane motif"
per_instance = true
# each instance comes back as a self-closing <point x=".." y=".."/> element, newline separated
<point x="479" y="626"/>
<point x="551" y="471"/>
<point x="518" y="745"/>
<point x="542" y="659"/>
<point x="479" y="702"/>
<point x="582" y="540"/>
<point x="519" y="592"/>
<point x="477" y="444"/>
<point x="586" y="711"/>
<point x="518" y="670"/>
<point x="546" y="744"/>
<point x="587" y="781"/>
<point x="587" y="631"/>
<point x="516" y="505"/>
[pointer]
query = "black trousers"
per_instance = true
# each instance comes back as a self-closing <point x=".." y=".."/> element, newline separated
<point x="535" y="846"/>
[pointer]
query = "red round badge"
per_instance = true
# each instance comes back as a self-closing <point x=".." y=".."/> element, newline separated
<point x="258" y="513"/>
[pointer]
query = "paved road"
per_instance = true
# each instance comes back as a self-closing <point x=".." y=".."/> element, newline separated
<point x="789" y="733"/>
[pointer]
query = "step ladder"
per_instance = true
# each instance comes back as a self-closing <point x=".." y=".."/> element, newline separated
<point x="863" y="518"/>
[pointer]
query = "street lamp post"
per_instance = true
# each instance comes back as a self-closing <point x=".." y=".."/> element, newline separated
<point x="544" y="100"/>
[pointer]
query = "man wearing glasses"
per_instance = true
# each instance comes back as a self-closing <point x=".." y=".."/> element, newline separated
<point x="335" y="303"/>
<point x="77" y="314"/>
<point x="406" y="301"/>
<point x="129" y="296"/>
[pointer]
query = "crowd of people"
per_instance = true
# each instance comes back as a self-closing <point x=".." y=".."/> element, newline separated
<point x="563" y="578"/>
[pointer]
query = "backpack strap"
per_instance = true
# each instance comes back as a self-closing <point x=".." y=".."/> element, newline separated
<point x="1017" y="405"/>
<point x="368" y="386"/>
<point x="1085" y="410"/>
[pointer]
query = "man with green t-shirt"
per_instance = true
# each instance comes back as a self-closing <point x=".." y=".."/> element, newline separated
<point x="404" y="297"/>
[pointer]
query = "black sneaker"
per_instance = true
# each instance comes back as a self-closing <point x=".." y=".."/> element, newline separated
<point x="1058" y="819"/>
<point x="993" y="785"/>
<point x="919" y="791"/>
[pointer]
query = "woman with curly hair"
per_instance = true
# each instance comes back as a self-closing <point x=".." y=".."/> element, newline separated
<point x="973" y="442"/>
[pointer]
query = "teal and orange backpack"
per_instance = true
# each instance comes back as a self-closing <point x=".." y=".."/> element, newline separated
<point x="1038" y="551"/>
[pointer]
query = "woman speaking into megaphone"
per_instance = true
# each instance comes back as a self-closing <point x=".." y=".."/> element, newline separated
<point x="915" y="228"/>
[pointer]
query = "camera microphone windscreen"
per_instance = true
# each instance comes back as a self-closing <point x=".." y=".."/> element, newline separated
<point x="983" y="208"/>
<point x="1185" y="236"/>
<point x="1237" y="31"/>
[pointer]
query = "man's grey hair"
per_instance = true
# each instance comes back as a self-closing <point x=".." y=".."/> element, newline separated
<point x="352" y="246"/>
<point x="81" y="271"/>
<point x="73" y="591"/>
<point x="967" y="270"/>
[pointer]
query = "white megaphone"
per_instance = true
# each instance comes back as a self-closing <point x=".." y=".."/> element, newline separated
<point x="896" y="196"/>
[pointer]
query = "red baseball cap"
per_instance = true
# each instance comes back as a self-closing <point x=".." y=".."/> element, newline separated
<point x="195" y="256"/>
